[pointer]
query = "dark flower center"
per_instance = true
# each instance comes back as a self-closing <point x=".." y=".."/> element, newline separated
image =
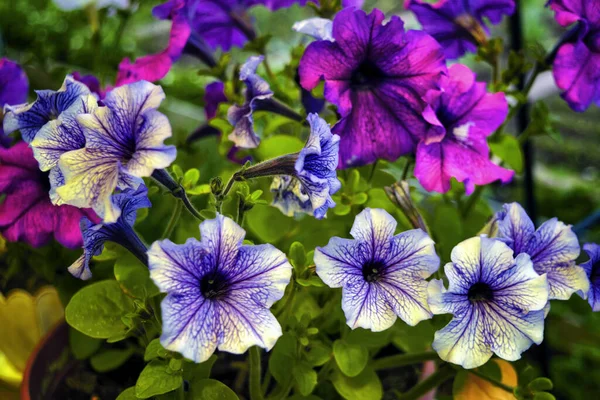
<point x="45" y="180"/>
<point x="367" y="74"/>
<point x="372" y="270"/>
<point x="480" y="292"/>
<point x="213" y="286"/>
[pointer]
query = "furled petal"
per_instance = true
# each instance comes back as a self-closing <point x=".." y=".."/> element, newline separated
<point x="222" y="239"/>
<point x="577" y="71"/>
<point x="13" y="84"/>
<point x="214" y="94"/>
<point x="94" y="239"/>
<point x="340" y="261"/>
<point x="289" y="196"/>
<point x="592" y="270"/>
<point x="515" y="226"/>
<point x="177" y="269"/>
<point x="365" y="306"/>
<point x="29" y="118"/>
<point x="318" y="28"/>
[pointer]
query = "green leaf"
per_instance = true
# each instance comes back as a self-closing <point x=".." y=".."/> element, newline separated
<point x="177" y="171"/>
<point x="543" y="396"/>
<point x="190" y="178"/>
<point x="210" y="389"/>
<point x="459" y="382"/>
<point x="298" y="257"/>
<point x="268" y="223"/>
<point x="193" y="372"/>
<point x="350" y="358"/>
<point x="82" y="345"/>
<point x="368" y="338"/>
<point x="128" y="394"/>
<point x="352" y="181"/>
<point x="199" y="190"/>
<point x="278" y="145"/>
<point x="413" y="339"/>
<point x="447" y="228"/>
<point x="360" y="198"/>
<point x="313" y="280"/>
<point x="283" y="358"/>
<point x="540" y="384"/>
<point x="134" y="277"/>
<point x="318" y="354"/>
<point x="342" y="209"/>
<point x="492" y="370"/>
<point x="155" y="350"/>
<point x="364" y="386"/>
<point x="157" y="378"/>
<point x="305" y="378"/>
<point x="108" y="360"/>
<point x="96" y="310"/>
<point x="508" y="149"/>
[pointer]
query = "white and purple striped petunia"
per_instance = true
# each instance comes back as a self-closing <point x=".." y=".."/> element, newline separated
<point x="219" y="291"/>
<point x="592" y="269"/>
<point x="382" y="275"/>
<point x="497" y="301"/>
<point x="553" y="249"/>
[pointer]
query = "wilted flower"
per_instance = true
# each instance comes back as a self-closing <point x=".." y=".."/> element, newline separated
<point x="50" y="104"/>
<point x="497" y="301"/>
<point x="121" y="231"/>
<point x="314" y="166"/>
<point x="219" y="291"/>
<point x="577" y="64"/>
<point x="458" y="25"/>
<point x="460" y="116"/>
<point x="26" y="213"/>
<point x="376" y="74"/>
<point x="124" y="142"/>
<point x="592" y="269"/>
<point x="318" y="28"/>
<point x="382" y="275"/>
<point x="289" y="196"/>
<point x="553" y="249"/>
<point x="13" y="89"/>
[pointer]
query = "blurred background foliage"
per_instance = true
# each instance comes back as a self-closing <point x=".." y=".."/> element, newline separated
<point x="50" y="43"/>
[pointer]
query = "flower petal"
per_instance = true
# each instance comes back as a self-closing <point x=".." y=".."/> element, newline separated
<point x="339" y="261"/>
<point x="363" y="306"/>
<point x="375" y="227"/>
<point x="222" y="239"/>
<point x="515" y="227"/>
<point x="177" y="269"/>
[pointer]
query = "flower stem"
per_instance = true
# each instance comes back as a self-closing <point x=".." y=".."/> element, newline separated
<point x="403" y="359"/>
<point x="440" y="376"/>
<point x="174" y="220"/>
<point x="254" y="361"/>
<point x="493" y="381"/>
<point x="164" y="178"/>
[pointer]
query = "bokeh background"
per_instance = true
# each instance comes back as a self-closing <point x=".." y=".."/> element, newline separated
<point x="49" y="43"/>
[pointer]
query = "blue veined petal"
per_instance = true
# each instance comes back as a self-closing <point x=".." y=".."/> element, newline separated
<point x="339" y="261"/>
<point x="56" y="179"/>
<point x="412" y="252"/>
<point x="375" y="227"/>
<point x="320" y="153"/>
<point x="318" y="28"/>
<point x="243" y="134"/>
<point x="515" y="226"/>
<point x="289" y="196"/>
<point x="592" y="270"/>
<point x="365" y="305"/>
<point x="222" y="239"/>
<point x="318" y="191"/>
<point x="263" y="271"/>
<point x="93" y="243"/>
<point x="50" y="104"/>
<point x="177" y="269"/>
<point x="62" y="134"/>
<point x="553" y="249"/>
<point x="406" y="293"/>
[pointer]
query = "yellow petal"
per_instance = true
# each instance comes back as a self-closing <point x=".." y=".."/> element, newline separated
<point x="476" y="388"/>
<point x="9" y="374"/>
<point x="49" y="309"/>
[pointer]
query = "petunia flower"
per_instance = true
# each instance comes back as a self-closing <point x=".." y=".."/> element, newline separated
<point x="214" y="94"/>
<point x="314" y="166"/>
<point x="50" y="104"/>
<point x="121" y="231"/>
<point x="553" y="249"/>
<point x="458" y="25"/>
<point x="124" y="142"/>
<point x="577" y="64"/>
<point x="460" y="116"/>
<point x="289" y="196"/>
<point x="14" y="86"/>
<point x="497" y="301"/>
<point x="219" y="291"/>
<point x="59" y="136"/>
<point x="26" y="213"/>
<point x="93" y="83"/>
<point x="382" y="276"/>
<point x="592" y="269"/>
<point x="376" y="75"/>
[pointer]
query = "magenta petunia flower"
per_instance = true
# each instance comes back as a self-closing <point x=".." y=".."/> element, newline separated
<point x="458" y="25"/>
<point x="461" y="116"/>
<point x="26" y="214"/>
<point x="13" y="89"/>
<point x="376" y="75"/>
<point x="577" y="64"/>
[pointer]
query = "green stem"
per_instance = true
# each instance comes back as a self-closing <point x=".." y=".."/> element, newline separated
<point x="473" y="198"/>
<point x="254" y="360"/>
<point x="436" y="379"/>
<point x="494" y="382"/>
<point x="403" y="359"/>
<point x="372" y="174"/>
<point x="287" y="306"/>
<point x="174" y="219"/>
<point x="281" y="391"/>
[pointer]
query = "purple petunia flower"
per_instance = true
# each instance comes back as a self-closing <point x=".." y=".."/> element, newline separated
<point x="458" y="25"/>
<point x="50" y="104"/>
<point x="577" y="64"/>
<point x="214" y="94"/>
<point x="240" y="116"/>
<point x="14" y="86"/>
<point x="461" y="116"/>
<point x="497" y="301"/>
<point x="314" y="166"/>
<point x="592" y="269"/>
<point x="123" y="143"/>
<point x="26" y="213"/>
<point x="219" y="291"/>
<point x="376" y="74"/>
<point x="382" y="275"/>
<point x="553" y="249"/>
<point x="93" y="83"/>
<point x="121" y="231"/>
